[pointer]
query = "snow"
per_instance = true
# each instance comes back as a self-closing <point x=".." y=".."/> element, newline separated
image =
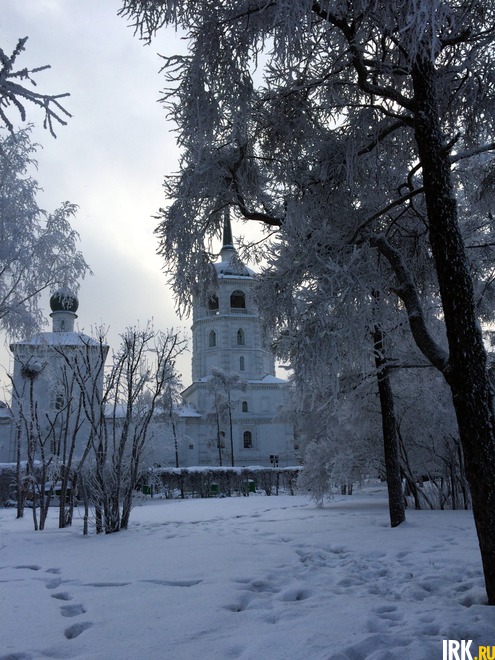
<point x="59" y="339"/>
<point x="270" y="379"/>
<point x="187" y="410"/>
<point x="250" y="578"/>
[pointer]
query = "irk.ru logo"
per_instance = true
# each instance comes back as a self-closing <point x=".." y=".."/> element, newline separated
<point x="461" y="650"/>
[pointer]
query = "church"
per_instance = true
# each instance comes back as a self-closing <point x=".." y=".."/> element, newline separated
<point x="234" y="413"/>
<point x="254" y="427"/>
<point x="46" y="395"/>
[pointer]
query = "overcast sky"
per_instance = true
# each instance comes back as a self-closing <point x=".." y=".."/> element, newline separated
<point x="111" y="157"/>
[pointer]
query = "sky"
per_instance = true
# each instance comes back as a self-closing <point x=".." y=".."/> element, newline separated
<point x="111" y="157"/>
<point x="245" y="578"/>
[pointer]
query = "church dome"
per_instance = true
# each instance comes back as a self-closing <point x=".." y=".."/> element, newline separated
<point x="64" y="301"/>
<point x="232" y="266"/>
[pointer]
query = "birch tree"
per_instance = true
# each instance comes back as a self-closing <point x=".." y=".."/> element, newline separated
<point x="222" y="386"/>
<point x="121" y="418"/>
<point x="54" y="379"/>
<point x="285" y="108"/>
<point x="38" y="249"/>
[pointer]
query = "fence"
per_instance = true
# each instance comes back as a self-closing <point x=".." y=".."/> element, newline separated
<point x="219" y="481"/>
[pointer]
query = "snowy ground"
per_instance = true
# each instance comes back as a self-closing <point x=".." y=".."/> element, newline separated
<point x="262" y="578"/>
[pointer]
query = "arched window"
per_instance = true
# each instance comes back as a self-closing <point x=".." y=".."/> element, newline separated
<point x="242" y="363"/>
<point x="248" y="440"/>
<point x="213" y="305"/>
<point x="212" y="339"/>
<point x="238" y="300"/>
<point x="241" y="338"/>
<point x="244" y="406"/>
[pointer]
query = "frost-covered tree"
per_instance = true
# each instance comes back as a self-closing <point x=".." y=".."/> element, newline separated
<point x="38" y="250"/>
<point x="121" y="416"/>
<point x="431" y="455"/>
<point x="222" y="386"/>
<point x="341" y="441"/>
<point x="18" y="87"/>
<point x="348" y="124"/>
<point x="53" y="382"/>
<point x="168" y="405"/>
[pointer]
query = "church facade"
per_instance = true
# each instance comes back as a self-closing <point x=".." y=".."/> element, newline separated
<point x="236" y="409"/>
<point x="234" y="413"/>
<point x="46" y="393"/>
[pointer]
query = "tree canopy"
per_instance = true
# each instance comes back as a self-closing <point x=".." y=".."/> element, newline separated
<point x="15" y="94"/>
<point x="359" y="129"/>
<point x="38" y="249"/>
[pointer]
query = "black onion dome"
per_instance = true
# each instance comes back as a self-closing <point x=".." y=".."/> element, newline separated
<point x="64" y="301"/>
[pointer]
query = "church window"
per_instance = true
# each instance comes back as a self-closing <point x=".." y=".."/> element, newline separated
<point x="248" y="440"/>
<point x="213" y="305"/>
<point x="238" y="300"/>
<point x="244" y="406"/>
<point x="242" y="363"/>
<point x="241" y="338"/>
<point x="212" y="339"/>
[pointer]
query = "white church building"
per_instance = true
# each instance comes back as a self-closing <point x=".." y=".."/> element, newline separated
<point x="46" y="396"/>
<point x="255" y="428"/>
<point x="250" y="427"/>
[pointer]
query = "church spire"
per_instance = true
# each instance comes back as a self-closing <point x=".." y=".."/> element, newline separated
<point x="228" y="249"/>
<point x="228" y="241"/>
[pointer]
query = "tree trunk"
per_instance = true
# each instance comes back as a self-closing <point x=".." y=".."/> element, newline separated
<point x="232" y="462"/>
<point x="466" y="372"/>
<point x="176" y="443"/>
<point x="390" y="439"/>
<point x="219" y="437"/>
<point x="19" y="473"/>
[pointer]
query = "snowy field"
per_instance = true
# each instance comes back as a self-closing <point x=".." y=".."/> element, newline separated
<point x="258" y="578"/>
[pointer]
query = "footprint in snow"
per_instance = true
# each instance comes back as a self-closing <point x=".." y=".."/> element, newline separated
<point x="175" y="583"/>
<point x="62" y="595"/>
<point x="54" y="583"/>
<point x="106" y="584"/>
<point x="386" y="617"/>
<point x="76" y="629"/>
<point x="261" y="586"/>
<point x="72" y="610"/>
<point x="295" y="594"/>
<point x="387" y="612"/>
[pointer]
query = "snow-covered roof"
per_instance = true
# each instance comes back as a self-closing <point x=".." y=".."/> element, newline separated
<point x="269" y="379"/>
<point x="230" y="265"/>
<point x="58" y="339"/>
<point x="266" y="380"/>
<point x="187" y="410"/>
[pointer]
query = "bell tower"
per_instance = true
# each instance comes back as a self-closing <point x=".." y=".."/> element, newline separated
<point x="227" y="331"/>
<point x="227" y="335"/>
